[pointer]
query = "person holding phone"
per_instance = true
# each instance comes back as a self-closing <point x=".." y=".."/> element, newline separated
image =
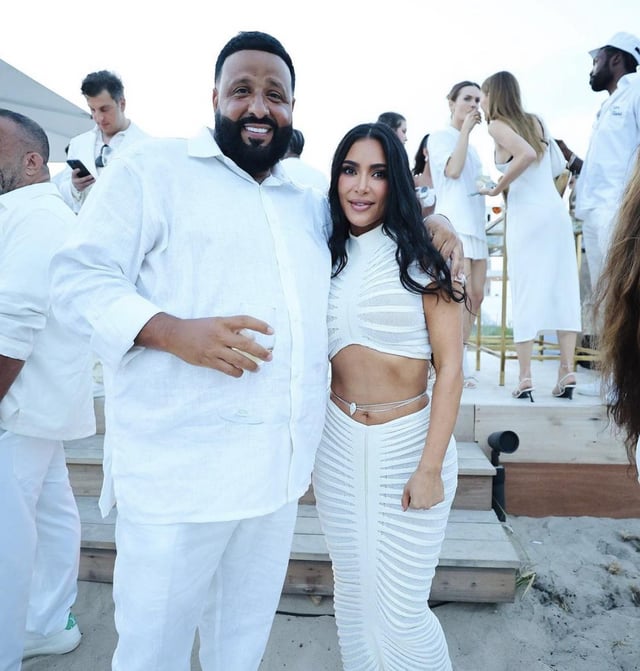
<point x="90" y="152"/>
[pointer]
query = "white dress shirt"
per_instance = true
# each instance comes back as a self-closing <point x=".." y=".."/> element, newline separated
<point x="304" y="174"/>
<point x="51" y="397"/>
<point x="175" y="226"/>
<point x="467" y="213"/>
<point x="613" y="148"/>
<point x="87" y="147"/>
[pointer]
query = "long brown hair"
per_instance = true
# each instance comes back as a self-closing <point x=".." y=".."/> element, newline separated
<point x="618" y="305"/>
<point x="505" y="104"/>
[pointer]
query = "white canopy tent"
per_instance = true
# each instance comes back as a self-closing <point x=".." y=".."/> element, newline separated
<point x="60" y="118"/>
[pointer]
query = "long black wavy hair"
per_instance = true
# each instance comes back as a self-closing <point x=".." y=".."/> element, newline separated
<point x="402" y="217"/>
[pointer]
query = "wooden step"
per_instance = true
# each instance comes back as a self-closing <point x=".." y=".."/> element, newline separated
<point x="84" y="461"/>
<point x="478" y="562"/>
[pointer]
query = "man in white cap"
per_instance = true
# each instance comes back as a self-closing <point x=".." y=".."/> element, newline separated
<point x="613" y="148"/>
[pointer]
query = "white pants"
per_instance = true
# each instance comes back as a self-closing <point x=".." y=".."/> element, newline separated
<point x="39" y="542"/>
<point x="223" y="579"/>
<point x="597" y="227"/>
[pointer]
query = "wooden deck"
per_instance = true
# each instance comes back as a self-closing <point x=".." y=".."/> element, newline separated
<point x="478" y="562"/>
<point x="569" y="462"/>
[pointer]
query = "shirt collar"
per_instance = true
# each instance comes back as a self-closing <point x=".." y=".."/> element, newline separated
<point x="203" y="145"/>
<point x="16" y="198"/>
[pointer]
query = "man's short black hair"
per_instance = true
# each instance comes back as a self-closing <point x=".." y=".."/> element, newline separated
<point x="255" y="41"/>
<point x="31" y="134"/>
<point x="103" y="80"/>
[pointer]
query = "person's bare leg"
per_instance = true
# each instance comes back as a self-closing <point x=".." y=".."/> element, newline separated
<point x="566" y="376"/>
<point x="475" y="271"/>
<point x="524" y="350"/>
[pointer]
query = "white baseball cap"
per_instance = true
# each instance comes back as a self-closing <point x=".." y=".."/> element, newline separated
<point x="623" y="41"/>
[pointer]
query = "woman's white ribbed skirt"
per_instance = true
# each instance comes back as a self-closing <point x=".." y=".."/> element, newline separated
<point x="384" y="559"/>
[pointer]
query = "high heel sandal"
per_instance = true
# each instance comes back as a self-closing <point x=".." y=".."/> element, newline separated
<point x="526" y="392"/>
<point x="562" y="390"/>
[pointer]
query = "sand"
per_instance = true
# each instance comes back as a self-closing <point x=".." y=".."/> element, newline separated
<point x="577" y="609"/>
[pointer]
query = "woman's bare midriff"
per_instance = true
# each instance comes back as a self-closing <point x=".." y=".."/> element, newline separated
<point x="365" y="376"/>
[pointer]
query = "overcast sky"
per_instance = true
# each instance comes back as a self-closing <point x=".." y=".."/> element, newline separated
<point x="354" y="59"/>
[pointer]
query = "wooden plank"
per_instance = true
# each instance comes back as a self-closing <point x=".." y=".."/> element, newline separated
<point x="564" y="433"/>
<point x="464" y="429"/>
<point x="472" y="460"/>
<point x="84" y="450"/>
<point x="542" y="490"/>
<point x="96" y="565"/>
<point x="85" y="479"/>
<point x="304" y="577"/>
<point x="449" y="584"/>
<point x="473" y="585"/>
<point x="473" y="493"/>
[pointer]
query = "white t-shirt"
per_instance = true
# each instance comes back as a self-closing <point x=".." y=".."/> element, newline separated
<point x="176" y="226"/>
<point x="52" y="395"/>
<point x="453" y="199"/>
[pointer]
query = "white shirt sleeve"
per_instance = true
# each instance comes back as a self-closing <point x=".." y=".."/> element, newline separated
<point x="24" y="290"/>
<point x="94" y="276"/>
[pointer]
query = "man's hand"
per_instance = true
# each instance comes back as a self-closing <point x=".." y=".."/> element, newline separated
<point x="446" y="241"/>
<point x="81" y="183"/>
<point x="211" y="342"/>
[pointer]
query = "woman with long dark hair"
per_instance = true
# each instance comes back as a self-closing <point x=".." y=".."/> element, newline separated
<point x="541" y="255"/>
<point x="386" y="469"/>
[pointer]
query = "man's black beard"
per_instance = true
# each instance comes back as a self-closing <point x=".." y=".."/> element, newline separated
<point x="252" y="158"/>
<point x="601" y="80"/>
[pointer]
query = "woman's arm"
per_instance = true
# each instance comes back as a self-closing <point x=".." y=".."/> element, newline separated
<point x="455" y="164"/>
<point x="507" y="140"/>
<point x="444" y="321"/>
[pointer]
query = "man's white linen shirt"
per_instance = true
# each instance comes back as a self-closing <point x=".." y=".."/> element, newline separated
<point x="175" y="226"/>
<point x="613" y="149"/>
<point x="52" y="395"/>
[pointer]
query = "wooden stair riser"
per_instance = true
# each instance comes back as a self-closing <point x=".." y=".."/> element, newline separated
<point x="315" y="578"/>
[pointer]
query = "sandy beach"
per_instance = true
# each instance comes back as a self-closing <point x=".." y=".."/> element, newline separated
<point x="577" y="609"/>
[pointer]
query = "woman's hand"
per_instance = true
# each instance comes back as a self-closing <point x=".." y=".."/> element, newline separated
<point x="423" y="490"/>
<point x="472" y="119"/>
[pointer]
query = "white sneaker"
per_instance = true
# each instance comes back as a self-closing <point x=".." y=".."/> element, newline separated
<point x="590" y="388"/>
<point x="55" y="644"/>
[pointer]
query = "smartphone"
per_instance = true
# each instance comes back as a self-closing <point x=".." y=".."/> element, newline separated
<point x="75" y="163"/>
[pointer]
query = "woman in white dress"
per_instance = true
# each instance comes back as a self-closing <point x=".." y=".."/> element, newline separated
<point x="386" y="469"/>
<point x="455" y="168"/>
<point x="541" y="256"/>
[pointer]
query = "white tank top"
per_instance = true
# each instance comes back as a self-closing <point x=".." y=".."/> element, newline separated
<point x="369" y="306"/>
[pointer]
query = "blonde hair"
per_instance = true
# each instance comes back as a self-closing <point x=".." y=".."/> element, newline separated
<point x="505" y="104"/>
<point x="618" y="303"/>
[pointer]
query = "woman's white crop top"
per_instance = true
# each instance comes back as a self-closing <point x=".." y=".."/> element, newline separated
<point x="369" y="306"/>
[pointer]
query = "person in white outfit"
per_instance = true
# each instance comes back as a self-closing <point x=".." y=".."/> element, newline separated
<point x="45" y="398"/>
<point x="188" y="254"/>
<point x="300" y="171"/>
<point x="612" y="151"/>
<point x="386" y="469"/>
<point x="541" y="257"/>
<point x="104" y="93"/>
<point x="456" y="168"/>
